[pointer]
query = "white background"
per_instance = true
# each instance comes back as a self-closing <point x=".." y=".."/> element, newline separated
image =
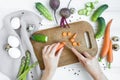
<point x="71" y="72"/>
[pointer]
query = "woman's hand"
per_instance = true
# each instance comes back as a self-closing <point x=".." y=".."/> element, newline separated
<point x="50" y="59"/>
<point x="90" y="64"/>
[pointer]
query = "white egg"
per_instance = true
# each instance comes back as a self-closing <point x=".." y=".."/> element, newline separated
<point x="13" y="41"/>
<point x="15" y="23"/>
<point x="14" y="53"/>
<point x="3" y="77"/>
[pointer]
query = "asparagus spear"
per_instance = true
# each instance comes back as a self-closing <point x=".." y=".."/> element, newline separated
<point x="28" y="56"/>
<point x="22" y="66"/>
<point x="26" y="71"/>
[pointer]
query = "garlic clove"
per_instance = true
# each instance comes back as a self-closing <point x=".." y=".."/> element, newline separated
<point x="115" y="47"/>
<point x="14" y="53"/>
<point x="115" y="38"/>
<point x="13" y="41"/>
<point x="30" y="27"/>
<point x="7" y="47"/>
<point x="15" y="23"/>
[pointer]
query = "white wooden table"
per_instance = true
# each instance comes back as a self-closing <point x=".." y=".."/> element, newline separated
<point x="73" y="71"/>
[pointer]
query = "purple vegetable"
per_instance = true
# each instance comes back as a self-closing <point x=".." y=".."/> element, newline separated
<point x="65" y="13"/>
<point x="54" y="4"/>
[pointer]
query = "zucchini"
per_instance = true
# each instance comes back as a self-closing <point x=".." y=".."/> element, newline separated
<point x="44" y="11"/>
<point x="101" y="27"/>
<point x="99" y="11"/>
<point x="39" y="38"/>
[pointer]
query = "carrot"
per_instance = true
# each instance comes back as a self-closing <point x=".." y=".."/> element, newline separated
<point x="72" y="40"/>
<point x="110" y="55"/>
<point x="62" y="44"/>
<point x="106" y="41"/>
<point x="78" y="44"/>
<point x="64" y="34"/>
<point x="69" y="33"/>
<point x="74" y="44"/>
<point x="74" y="36"/>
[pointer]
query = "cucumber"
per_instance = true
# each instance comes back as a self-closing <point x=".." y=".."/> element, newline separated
<point x="44" y="11"/>
<point x="99" y="11"/>
<point x="39" y="38"/>
<point x="101" y="27"/>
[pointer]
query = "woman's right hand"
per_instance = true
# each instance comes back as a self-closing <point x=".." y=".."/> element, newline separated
<point x="90" y="64"/>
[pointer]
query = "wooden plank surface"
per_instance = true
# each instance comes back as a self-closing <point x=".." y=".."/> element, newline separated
<point x="54" y="35"/>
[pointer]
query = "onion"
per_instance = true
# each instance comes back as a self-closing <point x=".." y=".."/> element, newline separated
<point x="13" y="41"/>
<point x="14" y="52"/>
<point x="15" y="23"/>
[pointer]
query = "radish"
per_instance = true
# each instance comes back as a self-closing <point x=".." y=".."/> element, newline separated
<point x="65" y="13"/>
<point x="54" y="4"/>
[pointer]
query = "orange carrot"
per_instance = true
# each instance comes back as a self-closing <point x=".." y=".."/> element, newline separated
<point x="72" y="40"/>
<point x="74" y="44"/>
<point x="64" y="34"/>
<point x="69" y="33"/>
<point x="62" y="44"/>
<point x="110" y="55"/>
<point x="106" y="41"/>
<point x="78" y="44"/>
<point x="74" y="36"/>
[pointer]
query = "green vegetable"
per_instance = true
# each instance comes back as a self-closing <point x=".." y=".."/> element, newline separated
<point x="27" y="62"/>
<point x="99" y="11"/>
<point x="101" y="27"/>
<point x="22" y="66"/>
<point x="28" y="56"/>
<point x="44" y="11"/>
<point x="89" y="6"/>
<point x="39" y="38"/>
<point x="26" y="71"/>
<point x="82" y="12"/>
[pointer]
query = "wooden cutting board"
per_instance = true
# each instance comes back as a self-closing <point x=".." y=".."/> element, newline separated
<point x="55" y="35"/>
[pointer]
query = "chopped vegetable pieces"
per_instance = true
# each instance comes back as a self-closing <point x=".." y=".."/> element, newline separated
<point x="69" y="33"/>
<point x="72" y="38"/>
<point x="64" y="34"/>
<point x="74" y="44"/>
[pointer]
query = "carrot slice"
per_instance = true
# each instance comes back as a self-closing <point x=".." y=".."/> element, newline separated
<point x="69" y="33"/>
<point x="74" y="44"/>
<point x="64" y="34"/>
<point x="110" y="55"/>
<point x="72" y="40"/>
<point x="106" y="41"/>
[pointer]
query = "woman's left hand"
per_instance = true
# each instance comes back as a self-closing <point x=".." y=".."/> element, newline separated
<point x="51" y="56"/>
